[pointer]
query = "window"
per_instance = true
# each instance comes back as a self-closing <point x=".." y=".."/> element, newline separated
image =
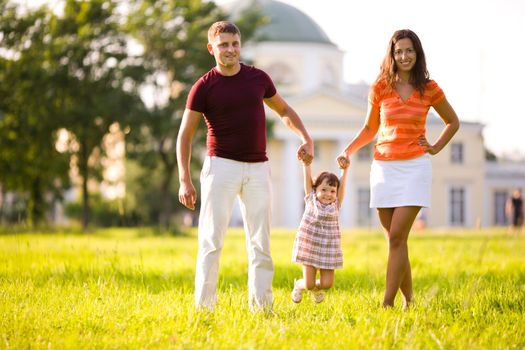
<point x="365" y="153"/>
<point x="456" y="153"/>
<point x="500" y="198"/>
<point x="457" y="206"/>
<point x="328" y="75"/>
<point x="364" y="213"/>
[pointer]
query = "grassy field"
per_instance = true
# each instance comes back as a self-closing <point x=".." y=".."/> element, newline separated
<point x="130" y="288"/>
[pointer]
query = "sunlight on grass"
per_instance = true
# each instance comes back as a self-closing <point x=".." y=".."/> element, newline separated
<point x="132" y="288"/>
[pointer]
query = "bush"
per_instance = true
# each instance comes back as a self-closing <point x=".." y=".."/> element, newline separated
<point x="103" y="212"/>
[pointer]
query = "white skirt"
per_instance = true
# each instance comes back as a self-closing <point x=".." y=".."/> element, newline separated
<point x="399" y="183"/>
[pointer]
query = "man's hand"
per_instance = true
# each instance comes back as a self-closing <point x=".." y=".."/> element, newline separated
<point x="305" y="157"/>
<point x="187" y="195"/>
<point x="305" y="153"/>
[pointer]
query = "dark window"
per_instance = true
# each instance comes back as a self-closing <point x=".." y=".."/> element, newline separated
<point x="456" y="153"/>
<point x="457" y="206"/>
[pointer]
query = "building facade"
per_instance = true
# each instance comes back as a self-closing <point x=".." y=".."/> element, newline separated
<point x="307" y="68"/>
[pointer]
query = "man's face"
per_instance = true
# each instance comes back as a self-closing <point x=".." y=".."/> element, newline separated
<point x="226" y="48"/>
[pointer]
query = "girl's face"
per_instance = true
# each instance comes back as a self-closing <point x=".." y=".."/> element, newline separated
<point x="325" y="193"/>
<point x="404" y="55"/>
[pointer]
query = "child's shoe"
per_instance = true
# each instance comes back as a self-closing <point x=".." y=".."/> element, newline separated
<point x="297" y="293"/>
<point x="318" y="296"/>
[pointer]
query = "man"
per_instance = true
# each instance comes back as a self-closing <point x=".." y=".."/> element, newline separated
<point x="231" y="98"/>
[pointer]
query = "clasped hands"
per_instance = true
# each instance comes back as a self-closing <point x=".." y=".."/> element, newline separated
<point x="342" y="160"/>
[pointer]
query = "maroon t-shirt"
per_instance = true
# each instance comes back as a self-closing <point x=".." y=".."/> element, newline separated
<point x="233" y="109"/>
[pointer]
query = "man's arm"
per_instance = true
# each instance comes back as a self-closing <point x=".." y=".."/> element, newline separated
<point x="188" y="126"/>
<point x="292" y="121"/>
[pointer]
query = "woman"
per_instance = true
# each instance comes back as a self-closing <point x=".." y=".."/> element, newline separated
<point x="401" y="172"/>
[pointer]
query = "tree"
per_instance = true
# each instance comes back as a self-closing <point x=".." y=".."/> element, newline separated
<point x="29" y="161"/>
<point x="173" y="35"/>
<point x="94" y="75"/>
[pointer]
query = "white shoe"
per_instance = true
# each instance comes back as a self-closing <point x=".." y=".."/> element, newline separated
<point x="297" y="293"/>
<point x="318" y="296"/>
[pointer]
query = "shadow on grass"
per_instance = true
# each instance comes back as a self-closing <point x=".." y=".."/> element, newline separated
<point x="481" y="236"/>
<point x="493" y="289"/>
<point x="152" y="282"/>
<point x="99" y="232"/>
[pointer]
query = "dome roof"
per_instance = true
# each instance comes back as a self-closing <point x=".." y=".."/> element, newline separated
<point x="286" y="23"/>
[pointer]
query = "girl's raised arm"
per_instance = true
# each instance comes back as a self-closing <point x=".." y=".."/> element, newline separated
<point x="342" y="185"/>
<point x="307" y="172"/>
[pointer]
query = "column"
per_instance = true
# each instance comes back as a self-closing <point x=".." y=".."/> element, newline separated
<point x="348" y="210"/>
<point x="291" y="196"/>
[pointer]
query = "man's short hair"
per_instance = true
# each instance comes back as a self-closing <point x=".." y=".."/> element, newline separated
<point x="222" y="27"/>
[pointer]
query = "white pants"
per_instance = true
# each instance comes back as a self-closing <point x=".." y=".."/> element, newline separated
<point x="222" y="181"/>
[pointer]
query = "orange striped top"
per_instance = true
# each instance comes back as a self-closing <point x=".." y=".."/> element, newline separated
<point x="401" y="122"/>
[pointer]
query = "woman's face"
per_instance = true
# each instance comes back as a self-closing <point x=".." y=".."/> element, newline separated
<point x="404" y="55"/>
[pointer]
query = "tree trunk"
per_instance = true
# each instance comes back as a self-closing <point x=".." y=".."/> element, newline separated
<point x="84" y="172"/>
<point x="36" y="203"/>
<point x="165" y="193"/>
<point x="2" y="204"/>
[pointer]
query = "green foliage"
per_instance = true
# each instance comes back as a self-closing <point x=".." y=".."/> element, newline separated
<point x="73" y="70"/>
<point x="173" y="36"/>
<point x="490" y="156"/>
<point x="29" y="161"/>
<point x="134" y="289"/>
<point x="90" y="55"/>
<point x="15" y="213"/>
<point x="104" y="212"/>
<point x="61" y="71"/>
<point x="143" y="188"/>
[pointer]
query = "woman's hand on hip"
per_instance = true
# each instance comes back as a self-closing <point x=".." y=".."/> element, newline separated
<point x="430" y="149"/>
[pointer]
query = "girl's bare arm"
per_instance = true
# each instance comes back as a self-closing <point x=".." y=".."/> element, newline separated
<point x="307" y="172"/>
<point x="342" y="184"/>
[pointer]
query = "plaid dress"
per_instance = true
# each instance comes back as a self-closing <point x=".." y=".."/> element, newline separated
<point x="318" y="239"/>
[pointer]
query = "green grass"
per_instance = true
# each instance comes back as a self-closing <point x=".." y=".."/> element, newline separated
<point x="131" y="288"/>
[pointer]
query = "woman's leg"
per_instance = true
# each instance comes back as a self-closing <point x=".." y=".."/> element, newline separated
<point x="406" y="282"/>
<point x="397" y="223"/>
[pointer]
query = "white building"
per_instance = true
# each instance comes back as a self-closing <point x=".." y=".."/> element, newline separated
<point x="308" y="69"/>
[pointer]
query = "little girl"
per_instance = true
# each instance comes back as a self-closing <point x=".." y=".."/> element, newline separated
<point x="317" y="245"/>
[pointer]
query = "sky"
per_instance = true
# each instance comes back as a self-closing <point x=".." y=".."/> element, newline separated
<point x="475" y="51"/>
